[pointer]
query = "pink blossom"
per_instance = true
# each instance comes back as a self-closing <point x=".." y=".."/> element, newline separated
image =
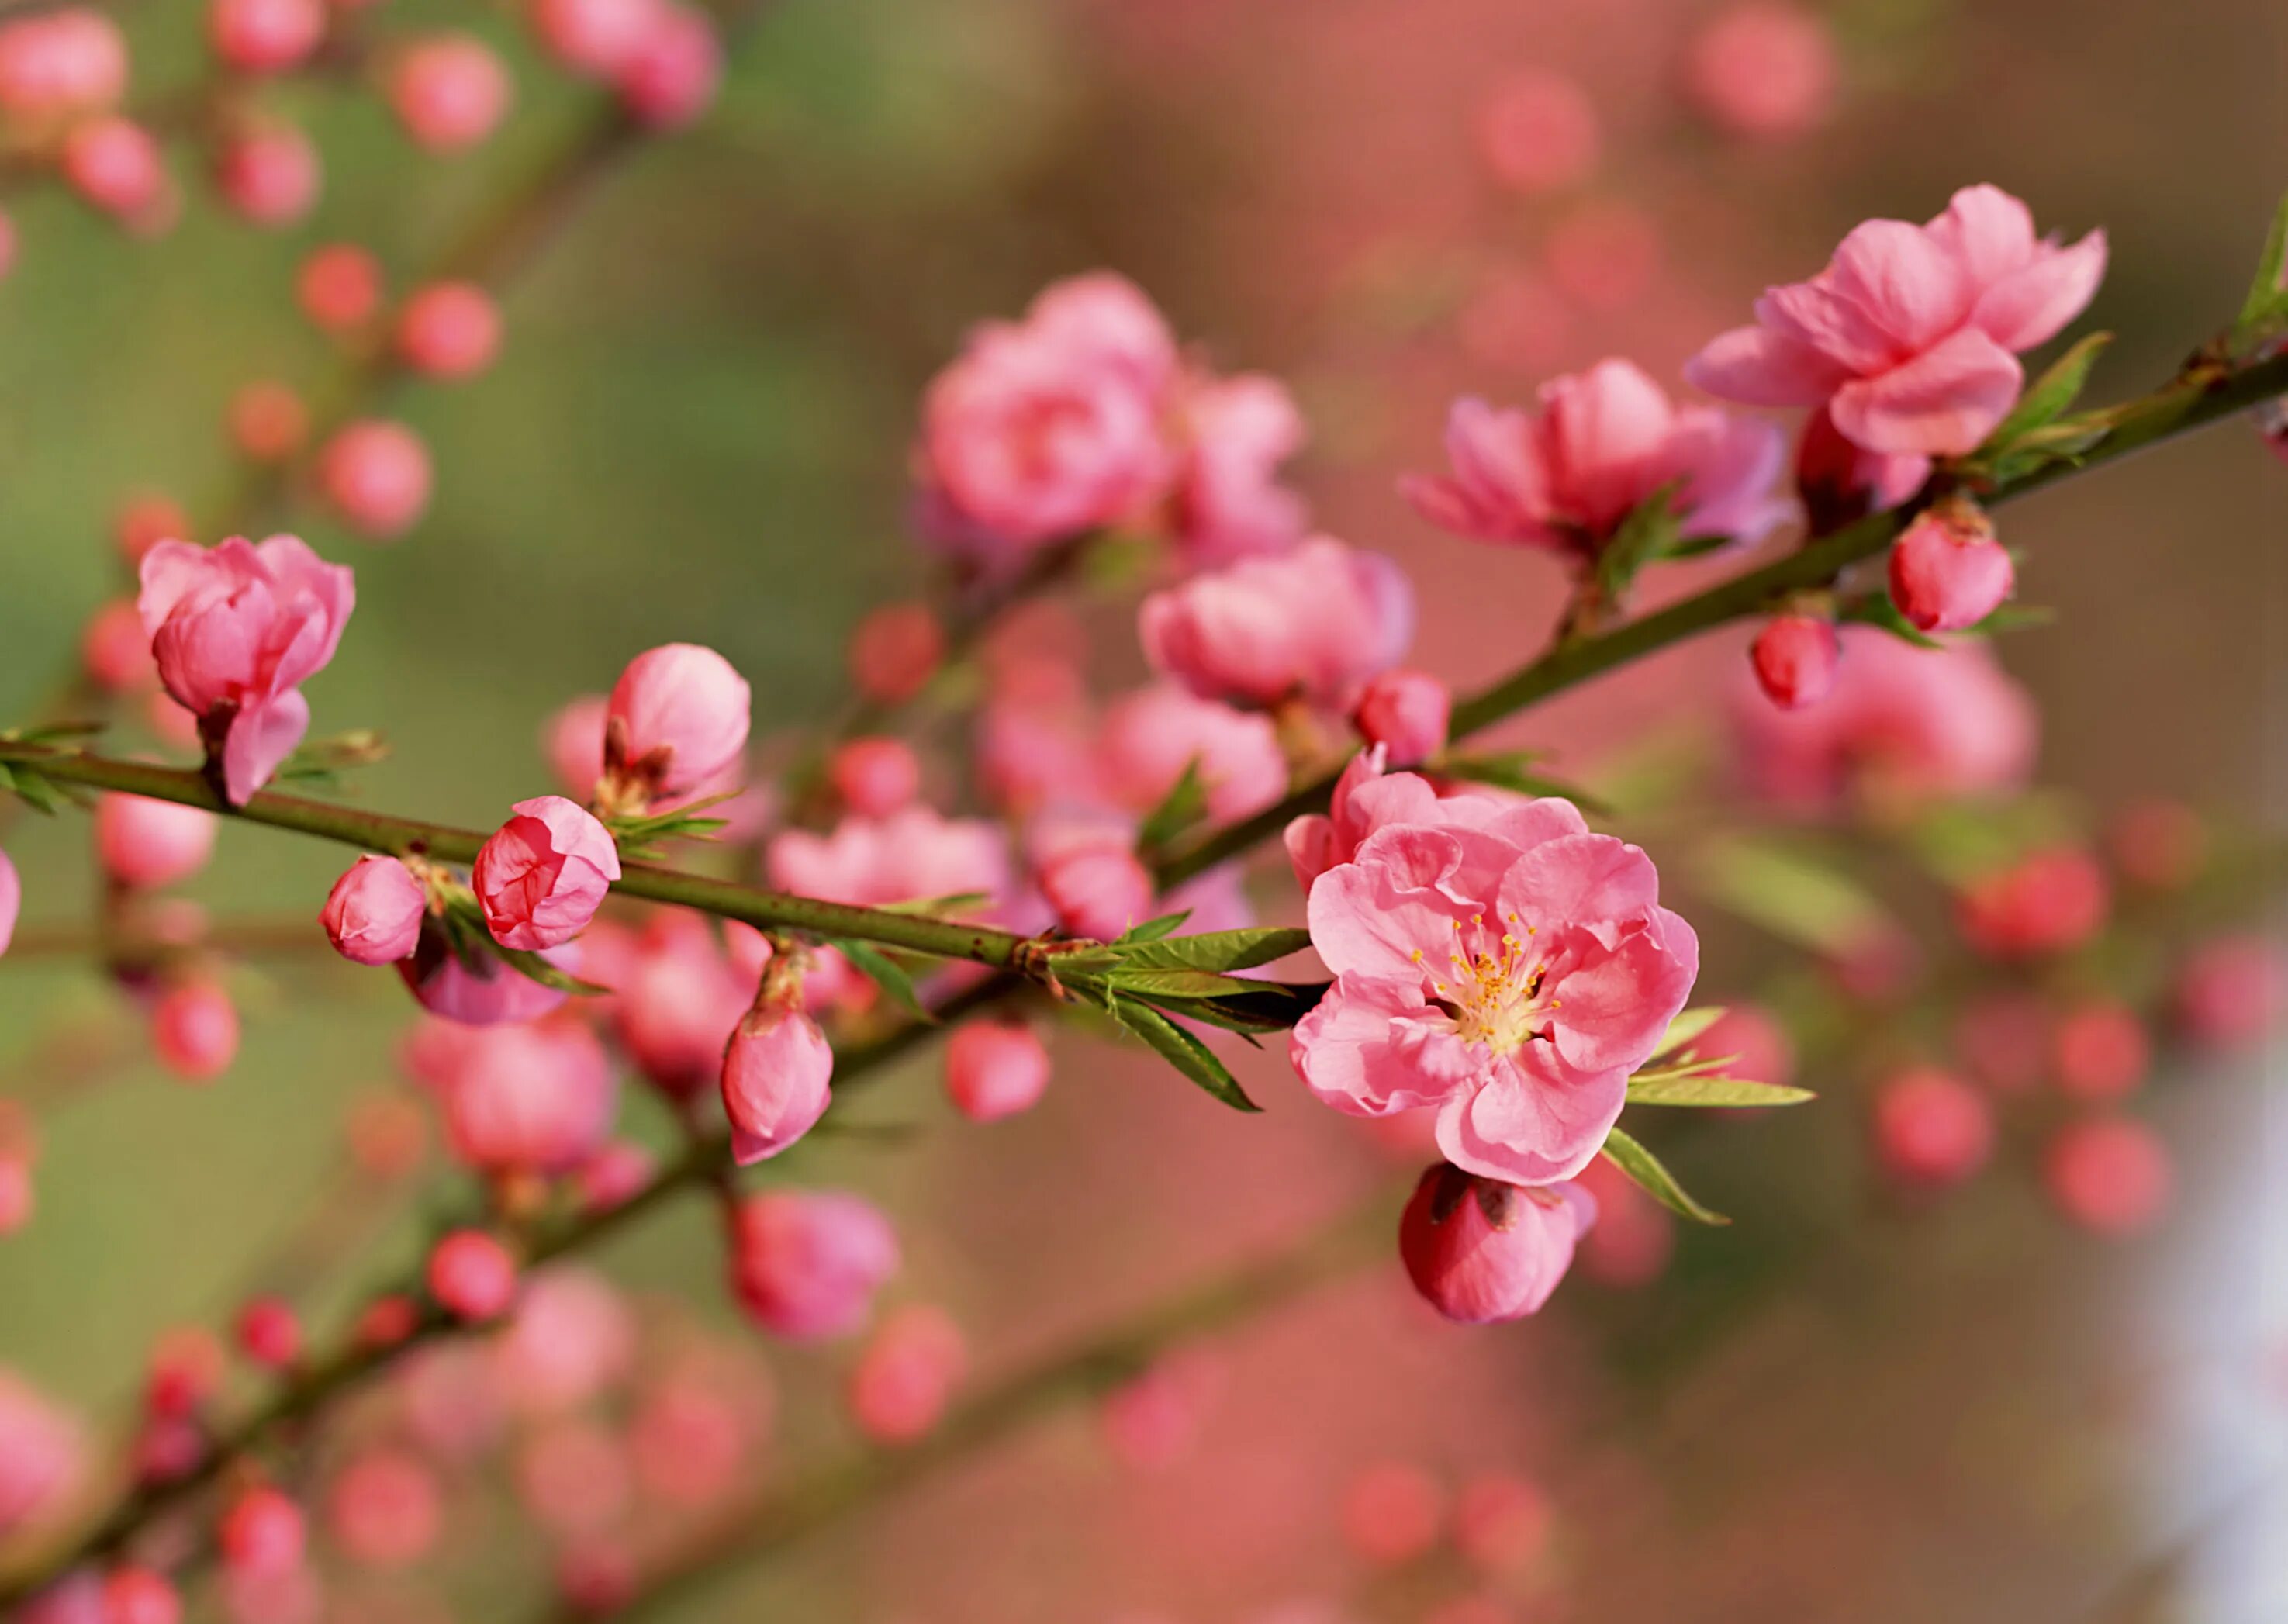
<point x="270" y="1333"/>
<point x="572" y="741"/>
<point x="114" y="650"/>
<point x="377" y="476"/>
<point x="875" y="777"/>
<point x="268" y="422"/>
<point x="12" y="900"/>
<point x="1603" y="442"/>
<point x="1045" y="429"/>
<point x="1910" y="337"/>
<point x="116" y="165"/>
<point x="150" y="843"/>
<point x="1502" y="1524"/>
<point x="895" y="650"/>
<point x="483" y="995"/>
<point x="450" y="331"/>
<point x="1366" y="797"/>
<point x="775" y="1073"/>
<point x="1097" y="887"/>
<point x="1228" y="503"/>
<point x="677" y="719"/>
<point x="265" y="37"/>
<point x="1503" y="964"/>
<point x="236" y="629"/>
<point x="269" y="173"/>
<point x="806" y="1263"/>
<point x="472" y="1275"/>
<point x="572" y="1475"/>
<point x="42" y="1453"/>
<point x="339" y="287"/>
<point x="194" y="1031"/>
<point x="261" y="1534"/>
<point x="537" y="1097"/>
<point x="679" y="1002"/>
<point x="1900" y="722"/>
<point x="901" y="1385"/>
<point x="996" y="1068"/>
<point x="912" y="855"/>
<point x="594" y="37"/>
<point x="1406" y="713"/>
<point x="544" y="873"/>
<point x="672" y="75"/>
<point x="1480" y="1250"/>
<point x="1795" y="658"/>
<point x="2050" y="901"/>
<point x="1947" y="570"/>
<point x="1838" y="482"/>
<point x="1762" y="1050"/>
<point x="373" y="914"/>
<point x="450" y="90"/>
<point x="61" y="64"/>
<point x="2158" y="843"/>
<point x="139" y="1596"/>
<point x="2112" y="1176"/>
<point x="1316" y="621"/>
<point x="1150" y="738"/>
<point x="1766" y="68"/>
<point x="1930" y="1128"/>
<point x="2100" y="1052"/>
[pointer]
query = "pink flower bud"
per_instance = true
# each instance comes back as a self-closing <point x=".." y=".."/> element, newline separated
<point x="150" y="843"/>
<point x="2100" y="1052"/>
<point x="268" y="422"/>
<point x="450" y="92"/>
<point x="18" y="1194"/>
<point x="489" y="994"/>
<point x="572" y="741"/>
<point x="1947" y="571"/>
<point x="806" y="1263"/>
<point x="1539" y="133"/>
<point x="1479" y="1250"/>
<point x="472" y="1276"/>
<point x="776" y="1073"/>
<point x="902" y="1381"/>
<point x="385" y="1322"/>
<point x="1392" y="1513"/>
<point x="2109" y="1175"/>
<point x="138" y="1596"/>
<point x="544" y="874"/>
<point x="996" y="1068"/>
<point x="1839" y="482"/>
<point x="2050" y="902"/>
<point x="672" y="78"/>
<point x="270" y="1333"/>
<point x="115" y="164"/>
<point x="1406" y="712"/>
<point x="875" y="777"/>
<point x="895" y="650"/>
<point x="1097" y="891"/>
<point x="194" y="1031"/>
<point x="376" y="475"/>
<point x="143" y="522"/>
<point x="1932" y="1128"/>
<point x="262" y="1533"/>
<point x="450" y="331"/>
<point x="186" y="1369"/>
<point x="265" y="37"/>
<point x="1766" y="68"/>
<point x="573" y="1339"/>
<point x="236" y="631"/>
<point x="1316" y="621"/>
<point x="373" y="914"/>
<point x="114" y="650"/>
<point x="42" y="1453"/>
<point x="339" y="287"/>
<point x="614" y="1175"/>
<point x="2230" y="992"/>
<point x="12" y="900"/>
<point x="270" y="174"/>
<point x="678" y="720"/>
<point x="527" y="1097"/>
<point x="1795" y="657"/>
<point x="1148" y="739"/>
<point x="64" y="64"/>
<point x="594" y="37"/>
<point x="384" y="1510"/>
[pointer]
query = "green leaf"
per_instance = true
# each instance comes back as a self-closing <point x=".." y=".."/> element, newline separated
<point x="2053" y="392"/>
<point x="1152" y="930"/>
<point x="639" y="837"/>
<point x="2012" y="617"/>
<point x="1217" y="950"/>
<point x="1649" y="532"/>
<point x="1688" y="1024"/>
<point x="1690" y="1089"/>
<point x="1792" y="894"/>
<point x="1184" y="804"/>
<point x="1269" y="1006"/>
<point x="535" y="968"/>
<point x="52" y="733"/>
<point x="884" y="971"/>
<point x="1182" y="1051"/>
<point x="2267" y="304"/>
<point x="1645" y="1170"/>
<point x="1509" y="771"/>
<point x="1877" y="609"/>
<point x="37" y="792"/>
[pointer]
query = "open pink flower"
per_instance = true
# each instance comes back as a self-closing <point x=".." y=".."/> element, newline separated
<point x="1229" y="502"/>
<point x="1508" y="967"/>
<point x="235" y="630"/>
<point x="537" y="1098"/>
<point x="1367" y="797"/>
<point x="544" y="874"/>
<point x="1603" y="441"/>
<point x="1050" y="427"/>
<point x="1150" y="738"/>
<point x="913" y="854"/>
<point x="1910" y="337"/>
<point x="1315" y="623"/>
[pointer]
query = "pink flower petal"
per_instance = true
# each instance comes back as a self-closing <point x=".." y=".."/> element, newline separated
<point x="1757" y="367"/>
<point x="1942" y="403"/>
<point x="2033" y="305"/>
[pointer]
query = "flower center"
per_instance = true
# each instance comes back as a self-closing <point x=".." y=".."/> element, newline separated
<point x="1492" y="988"/>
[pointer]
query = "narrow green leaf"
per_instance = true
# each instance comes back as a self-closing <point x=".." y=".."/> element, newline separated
<point x="1645" y="1170"/>
<point x="1182" y="1051"/>
<point x="535" y="968"/>
<point x="2267" y="300"/>
<point x="50" y="733"/>
<point x="1213" y="950"/>
<point x="1184" y="804"/>
<point x="35" y="791"/>
<point x="2053" y="392"/>
<point x="1152" y="930"/>
<point x="1646" y="534"/>
<point x="1272" y="1006"/>
<point x="1877" y="609"/>
<point x="1694" y="1090"/>
<point x="1688" y="1024"/>
<point x="884" y="971"/>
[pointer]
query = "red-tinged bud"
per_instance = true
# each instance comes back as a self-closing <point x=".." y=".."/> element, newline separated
<point x="143" y="522"/>
<point x="384" y="1510"/>
<point x="1479" y="1250"/>
<point x="269" y="174"/>
<point x="450" y="90"/>
<point x="875" y="777"/>
<point x="268" y="422"/>
<point x="265" y="37"/>
<point x="376" y="475"/>
<point x="270" y="1333"/>
<point x="1097" y="891"/>
<point x="996" y="1068"/>
<point x="1393" y="1513"/>
<point x="373" y="914"/>
<point x="2049" y="902"/>
<point x="114" y="651"/>
<point x="1796" y="657"/>
<point x="2109" y="1175"/>
<point x="1765" y="69"/>
<point x="902" y="1381"/>
<point x="544" y="874"/>
<point x="2101" y="1052"/>
<point x="339" y="287"/>
<point x="186" y="1367"/>
<point x="2230" y="992"/>
<point x="1408" y="713"/>
<point x="115" y="164"/>
<point x="1947" y="571"/>
<point x="1932" y="1128"/>
<point x="806" y="1263"/>
<point x="261" y="1535"/>
<point x="776" y="1069"/>
<point x="138" y="1596"/>
<point x="450" y="331"/>
<point x="194" y="1031"/>
<point x="472" y="1276"/>
<point x="1634" y="1237"/>
<point x="12" y="900"/>
<point x="895" y="650"/>
<point x="386" y="1321"/>
<point x="150" y="843"/>
<point x="672" y="78"/>
<point x="2158" y="844"/>
<point x="677" y="721"/>
<point x="594" y="37"/>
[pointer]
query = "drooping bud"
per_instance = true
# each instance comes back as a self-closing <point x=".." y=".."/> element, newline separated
<point x="373" y="914"/>
<point x="1796" y="657"/>
<point x="1407" y="712"/>
<point x="1947" y="570"/>
<point x="1479" y="1250"/>
<point x="776" y="1069"/>
<point x="544" y="874"/>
